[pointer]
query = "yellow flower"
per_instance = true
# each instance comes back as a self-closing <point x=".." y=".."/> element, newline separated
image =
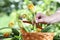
<point x="6" y="34"/>
<point x="24" y="15"/>
<point x="30" y="6"/>
<point x="11" y="24"/>
<point x="38" y="30"/>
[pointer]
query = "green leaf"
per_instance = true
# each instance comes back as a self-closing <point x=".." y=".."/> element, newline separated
<point x="14" y="38"/>
<point x="15" y="32"/>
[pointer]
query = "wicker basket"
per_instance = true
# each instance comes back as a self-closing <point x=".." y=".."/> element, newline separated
<point x="37" y="36"/>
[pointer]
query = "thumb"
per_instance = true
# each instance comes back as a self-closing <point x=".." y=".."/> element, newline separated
<point x="39" y="20"/>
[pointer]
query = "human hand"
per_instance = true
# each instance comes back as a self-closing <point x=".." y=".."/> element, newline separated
<point x="41" y="18"/>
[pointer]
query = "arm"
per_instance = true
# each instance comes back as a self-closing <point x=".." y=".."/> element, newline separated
<point x="55" y="17"/>
<point x="48" y="19"/>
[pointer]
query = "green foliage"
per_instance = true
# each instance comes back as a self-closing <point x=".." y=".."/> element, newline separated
<point x="53" y="28"/>
<point x="57" y="37"/>
<point x="15" y="32"/>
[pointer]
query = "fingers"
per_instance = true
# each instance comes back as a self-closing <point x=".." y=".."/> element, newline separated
<point x="39" y="20"/>
<point x="40" y="15"/>
<point x="43" y="20"/>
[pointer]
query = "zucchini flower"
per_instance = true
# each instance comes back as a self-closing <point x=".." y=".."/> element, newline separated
<point x="11" y="24"/>
<point x="30" y="6"/>
<point x="6" y="34"/>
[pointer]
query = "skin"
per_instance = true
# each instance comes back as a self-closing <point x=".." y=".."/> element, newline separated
<point x="48" y="19"/>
